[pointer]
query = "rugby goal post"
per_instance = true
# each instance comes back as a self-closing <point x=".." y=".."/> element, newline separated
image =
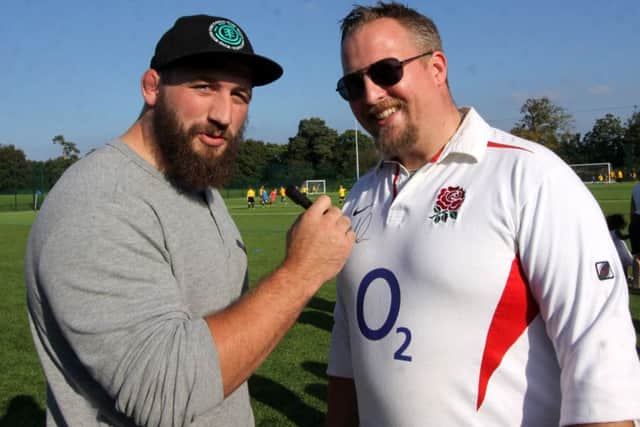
<point x="316" y="186"/>
<point x="593" y="172"/>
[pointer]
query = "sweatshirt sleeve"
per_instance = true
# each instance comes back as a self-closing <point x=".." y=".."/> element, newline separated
<point x="108" y="280"/>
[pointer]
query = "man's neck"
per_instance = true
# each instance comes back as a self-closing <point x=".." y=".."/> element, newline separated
<point x="139" y="138"/>
<point x="432" y="141"/>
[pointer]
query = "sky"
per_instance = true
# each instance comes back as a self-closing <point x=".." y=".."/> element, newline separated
<point x="74" y="67"/>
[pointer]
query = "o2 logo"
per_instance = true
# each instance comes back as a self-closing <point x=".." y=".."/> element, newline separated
<point x="392" y="316"/>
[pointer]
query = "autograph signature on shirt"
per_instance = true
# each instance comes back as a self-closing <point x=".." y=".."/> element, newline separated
<point x="360" y="221"/>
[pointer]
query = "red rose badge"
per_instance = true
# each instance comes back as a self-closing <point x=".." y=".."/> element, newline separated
<point x="447" y="204"/>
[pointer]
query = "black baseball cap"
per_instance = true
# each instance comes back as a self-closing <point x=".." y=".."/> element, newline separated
<point x="211" y="37"/>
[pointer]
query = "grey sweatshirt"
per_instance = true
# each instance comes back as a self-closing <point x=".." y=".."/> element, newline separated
<point x="120" y="269"/>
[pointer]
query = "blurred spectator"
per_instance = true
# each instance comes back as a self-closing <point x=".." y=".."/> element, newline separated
<point x="616" y="224"/>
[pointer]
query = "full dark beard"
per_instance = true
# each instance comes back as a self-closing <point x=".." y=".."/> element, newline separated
<point x="181" y="164"/>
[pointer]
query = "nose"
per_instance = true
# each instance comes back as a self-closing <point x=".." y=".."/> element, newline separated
<point x="220" y="111"/>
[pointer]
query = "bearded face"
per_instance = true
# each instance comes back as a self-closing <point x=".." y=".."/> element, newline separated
<point x="395" y="140"/>
<point x="189" y="166"/>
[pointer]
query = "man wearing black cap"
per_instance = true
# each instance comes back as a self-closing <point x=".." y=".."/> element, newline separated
<point x="135" y="271"/>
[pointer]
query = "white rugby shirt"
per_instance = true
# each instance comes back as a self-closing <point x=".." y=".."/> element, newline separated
<point x="484" y="290"/>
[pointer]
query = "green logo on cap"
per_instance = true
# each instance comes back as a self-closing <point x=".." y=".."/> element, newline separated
<point x="226" y="34"/>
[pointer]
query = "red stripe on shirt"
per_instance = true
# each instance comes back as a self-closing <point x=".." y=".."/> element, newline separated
<point x="515" y="311"/>
<point x="437" y="155"/>
<point x="395" y="181"/>
<point x="492" y="144"/>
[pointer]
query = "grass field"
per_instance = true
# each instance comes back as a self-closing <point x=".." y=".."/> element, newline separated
<point x="17" y="202"/>
<point x="289" y="389"/>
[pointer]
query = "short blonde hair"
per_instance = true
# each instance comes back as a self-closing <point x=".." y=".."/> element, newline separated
<point x="421" y="27"/>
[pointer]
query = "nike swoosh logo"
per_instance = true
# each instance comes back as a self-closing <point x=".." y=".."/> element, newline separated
<point x="357" y="211"/>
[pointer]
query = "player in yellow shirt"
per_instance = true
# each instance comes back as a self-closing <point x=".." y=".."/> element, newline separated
<point x="342" y="192"/>
<point x="283" y="194"/>
<point x="251" y="197"/>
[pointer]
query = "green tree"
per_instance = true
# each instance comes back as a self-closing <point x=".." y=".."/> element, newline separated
<point x="631" y="141"/>
<point x="345" y="156"/>
<point x="37" y="175"/>
<point x="544" y="122"/>
<point x="571" y="149"/>
<point x="69" y="149"/>
<point x="260" y="163"/>
<point x="310" y="153"/>
<point x="604" y="142"/>
<point x="14" y="169"/>
<point x="251" y="163"/>
<point x="275" y="171"/>
<point x="54" y="168"/>
<point x="299" y="170"/>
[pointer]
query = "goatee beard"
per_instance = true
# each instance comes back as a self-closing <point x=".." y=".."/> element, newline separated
<point x="393" y="146"/>
<point x="187" y="169"/>
<point x="390" y="141"/>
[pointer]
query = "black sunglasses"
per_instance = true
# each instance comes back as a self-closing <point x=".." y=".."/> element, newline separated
<point x="385" y="72"/>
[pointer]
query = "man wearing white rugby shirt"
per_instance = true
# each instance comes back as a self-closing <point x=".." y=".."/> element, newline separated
<point x="473" y="295"/>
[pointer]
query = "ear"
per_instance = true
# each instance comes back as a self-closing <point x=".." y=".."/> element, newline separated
<point x="439" y="67"/>
<point x="150" y="86"/>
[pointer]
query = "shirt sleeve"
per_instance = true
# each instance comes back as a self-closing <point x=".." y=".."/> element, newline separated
<point x="108" y="280"/>
<point x="572" y="266"/>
